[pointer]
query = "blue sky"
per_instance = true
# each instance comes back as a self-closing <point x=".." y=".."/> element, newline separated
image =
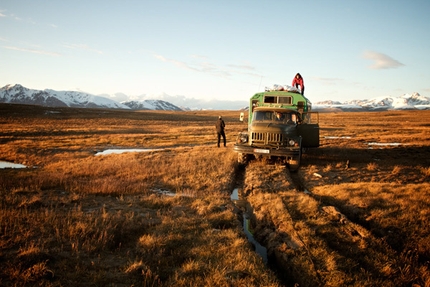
<point x="217" y="49"/>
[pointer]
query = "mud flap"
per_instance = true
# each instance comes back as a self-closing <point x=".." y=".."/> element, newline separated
<point x="310" y="134"/>
<point x="294" y="163"/>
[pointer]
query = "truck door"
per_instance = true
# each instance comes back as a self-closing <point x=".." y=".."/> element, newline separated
<point x="309" y="129"/>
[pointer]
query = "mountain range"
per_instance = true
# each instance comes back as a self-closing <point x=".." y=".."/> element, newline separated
<point x="19" y="94"/>
<point x="405" y="102"/>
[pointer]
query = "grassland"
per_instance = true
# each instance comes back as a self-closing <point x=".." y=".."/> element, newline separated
<point x="77" y="219"/>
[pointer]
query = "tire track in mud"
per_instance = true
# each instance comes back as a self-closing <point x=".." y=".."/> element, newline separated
<point x="308" y="242"/>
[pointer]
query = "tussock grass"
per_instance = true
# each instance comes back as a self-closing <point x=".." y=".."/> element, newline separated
<point x="395" y="214"/>
<point x="372" y="166"/>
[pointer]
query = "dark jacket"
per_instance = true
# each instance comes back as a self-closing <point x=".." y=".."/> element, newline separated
<point x="220" y="125"/>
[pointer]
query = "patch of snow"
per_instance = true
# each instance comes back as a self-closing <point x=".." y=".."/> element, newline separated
<point x="165" y="192"/>
<point x="5" y="164"/>
<point x="383" y="144"/>
<point x="333" y="137"/>
<point x="119" y="151"/>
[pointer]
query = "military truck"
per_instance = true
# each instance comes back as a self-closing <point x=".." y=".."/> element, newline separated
<point x="280" y="126"/>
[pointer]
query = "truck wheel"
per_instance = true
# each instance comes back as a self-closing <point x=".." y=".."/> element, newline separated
<point x="242" y="158"/>
<point x="294" y="164"/>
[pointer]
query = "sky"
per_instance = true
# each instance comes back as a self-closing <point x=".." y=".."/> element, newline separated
<point x="218" y="49"/>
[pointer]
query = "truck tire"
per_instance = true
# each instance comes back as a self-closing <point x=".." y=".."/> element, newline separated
<point x="295" y="164"/>
<point x="242" y="158"/>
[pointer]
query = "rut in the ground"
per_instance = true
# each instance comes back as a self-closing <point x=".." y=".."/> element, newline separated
<point x="313" y="244"/>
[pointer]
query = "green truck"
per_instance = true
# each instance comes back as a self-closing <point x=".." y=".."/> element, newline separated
<point x="280" y="126"/>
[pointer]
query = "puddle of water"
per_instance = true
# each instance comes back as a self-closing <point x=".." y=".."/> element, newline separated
<point x="235" y="194"/>
<point x="235" y="198"/>
<point x="165" y="192"/>
<point x="260" y="249"/>
<point x="170" y="193"/>
<point x="383" y="144"/>
<point x="6" y="164"/>
<point x="119" y="151"/>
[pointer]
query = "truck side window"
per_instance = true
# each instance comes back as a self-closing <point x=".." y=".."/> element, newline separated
<point x="270" y="100"/>
<point x="285" y="100"/>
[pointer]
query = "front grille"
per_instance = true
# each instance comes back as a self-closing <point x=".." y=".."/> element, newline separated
<point x="267" y="138"/>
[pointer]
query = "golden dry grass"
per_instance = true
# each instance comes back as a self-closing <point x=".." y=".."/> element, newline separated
<point x="77" y="219"/>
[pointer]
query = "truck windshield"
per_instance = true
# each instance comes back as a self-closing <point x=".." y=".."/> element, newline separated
<point x="273" y="116"/>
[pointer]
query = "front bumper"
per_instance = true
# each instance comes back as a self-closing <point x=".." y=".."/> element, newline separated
<point x="265" y="151"/>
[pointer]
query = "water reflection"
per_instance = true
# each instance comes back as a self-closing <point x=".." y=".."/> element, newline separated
<point x="244" y="205"/>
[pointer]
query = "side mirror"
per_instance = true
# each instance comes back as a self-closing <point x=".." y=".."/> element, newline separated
<point x="242" y="115"/>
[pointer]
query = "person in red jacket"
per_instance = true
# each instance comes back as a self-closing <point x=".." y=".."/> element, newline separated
<point x="298" y="81"/>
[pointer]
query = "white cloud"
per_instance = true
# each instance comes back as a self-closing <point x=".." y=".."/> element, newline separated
<point x="381" y="61"/>
<point x="204" y="67"/>
<point x="48" y="53"/>
<point x="82" y="47"/>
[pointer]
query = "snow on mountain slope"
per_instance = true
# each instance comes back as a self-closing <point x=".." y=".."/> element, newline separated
<point x="405" y="102"/>
<point x="78" y="99"/>
<point x="151" y="105"/>
<point x="50" y="98"/>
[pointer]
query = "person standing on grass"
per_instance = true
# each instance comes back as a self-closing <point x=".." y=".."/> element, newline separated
<point x="220" y="125"/>
<point x="298" y="81"/>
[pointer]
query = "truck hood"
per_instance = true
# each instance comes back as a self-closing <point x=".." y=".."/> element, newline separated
<point x="272" y="127"/>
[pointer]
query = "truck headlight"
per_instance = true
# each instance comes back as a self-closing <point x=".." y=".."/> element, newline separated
<point x="242" y="138"/>
<point x="291" y="142"/>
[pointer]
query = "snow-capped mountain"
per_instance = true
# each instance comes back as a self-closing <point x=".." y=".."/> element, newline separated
<point x="151" y="105"/>
<point x="405" y="102"/>
<point x="185" y="103"/>
<point x="18" y="94"/>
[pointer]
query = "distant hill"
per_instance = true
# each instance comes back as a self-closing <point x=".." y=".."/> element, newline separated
<point x="406" y="102"/>
<point x="18" y="94"/>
